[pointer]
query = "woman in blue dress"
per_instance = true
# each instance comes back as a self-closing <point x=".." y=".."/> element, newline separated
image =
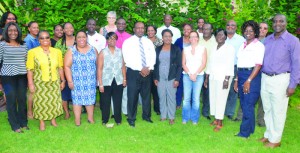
<point x="80" y="70"/>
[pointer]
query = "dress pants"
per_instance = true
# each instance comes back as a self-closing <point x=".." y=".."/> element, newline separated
<point x="260" y="113"/>
<point x="167" y="92"/>
<point x="248" y="101"/>
<point x="137" y="84"/>
<point x="154" y="95"/>
<point x="15" y="88"/>
<point x="275" y="104"/>
<point x="205" y="100"/>
<point x="232" y="98"/>
<point x="112" y="92"/>
<point x="218" y="97"/>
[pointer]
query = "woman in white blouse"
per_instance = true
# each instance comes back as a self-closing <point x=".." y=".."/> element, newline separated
<point x="220" y="72"/>
<point x="193" y="63"/>
<point x="250" y="58"/>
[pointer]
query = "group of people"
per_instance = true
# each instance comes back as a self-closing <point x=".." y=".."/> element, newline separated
<point x="217" y="65"/>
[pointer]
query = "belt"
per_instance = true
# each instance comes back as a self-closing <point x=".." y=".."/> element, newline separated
<point x="245" y="68"/>
<point x="274" y="74"/>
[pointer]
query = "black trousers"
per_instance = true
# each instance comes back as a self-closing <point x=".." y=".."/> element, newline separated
<point x="15" y="88"/>
<point x="137" y="84"/>
<point x="154" y="95"/>
<point x="115" y="92"/>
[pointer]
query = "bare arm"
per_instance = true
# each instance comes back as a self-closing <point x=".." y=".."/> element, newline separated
<point x="67" y="67"/>
<point x="100" y="63"/>
<point x="185" y="68"/>
<point x="255" y="71"/>
<point x="124" y="73"/>
<point x="30" y="81"/>
<point x="101" y="31"/>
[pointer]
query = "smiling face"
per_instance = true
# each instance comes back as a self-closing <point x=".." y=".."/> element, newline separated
<point x="112" y="41"/>
<point x="111" y="19"/>
<point x="194" y="38"/>
<point x="121" y="25"/>
<point x="34" y="29"/>
<point x="44" y="39"/>
<point x="10" y="18"/>
<point x="207" y="31"/>
<point x="81" y="39"/>
<point x="139" y="29"/>
<point x="231" y="27"/>
<point x="12" y="32"/>
<point x="58" y="31"/>
<point x="91" y="26"/>
<point x="220" y="37"/>
<point x="187" y="30"/>
<point x="263" y="29"/>
<point x="151" y="32"/>
<point x="68" y="29"/>
<point x="200" y="23"/>
<point x="249" y="33"/>
<point x="167" y="38"/>
<point x="279" y="24"/>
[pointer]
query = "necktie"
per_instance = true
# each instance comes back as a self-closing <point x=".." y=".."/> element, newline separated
<point x="143" y="58"/>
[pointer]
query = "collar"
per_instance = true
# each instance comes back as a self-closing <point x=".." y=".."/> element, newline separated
<point x="283" y="35"/>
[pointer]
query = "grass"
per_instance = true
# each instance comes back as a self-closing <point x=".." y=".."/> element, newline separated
<point x="145" y="137"/>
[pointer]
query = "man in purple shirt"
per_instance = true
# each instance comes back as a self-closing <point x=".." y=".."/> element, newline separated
<point x="122" y="36"/>
<point x="281" y="74"/>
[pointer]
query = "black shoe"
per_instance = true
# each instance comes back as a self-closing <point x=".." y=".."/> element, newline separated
<point x="112" y="116"/>
<point x="148" y="120"/>
<point x="208" y="117"/>
<point x="157" y="113"/>
<point x="131" y="124"/>
<point x="237" y="120"/>
<point x="261" y="124"/>
<point x="230" y="117"/>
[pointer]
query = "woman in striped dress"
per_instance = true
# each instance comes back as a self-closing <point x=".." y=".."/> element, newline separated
<point x="45" y="80"/>
<point x="13" y="52"/>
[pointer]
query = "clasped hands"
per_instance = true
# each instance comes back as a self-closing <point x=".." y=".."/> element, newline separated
<point x="145" y="71"/>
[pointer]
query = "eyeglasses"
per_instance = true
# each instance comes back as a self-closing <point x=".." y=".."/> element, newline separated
<point x="265" y="28"/>
<point x="11" y="19"/>
<point x="42" y="38"/>
<point x="111" y="18"/>
<point x="232" y="25"/>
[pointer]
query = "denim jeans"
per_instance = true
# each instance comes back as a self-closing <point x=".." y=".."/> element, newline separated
<point x="191" y="103"/>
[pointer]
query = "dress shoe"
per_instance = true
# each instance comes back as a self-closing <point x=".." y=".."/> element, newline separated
<point x="272" y="145"/>
<point x="263" y="140"/>
<point x="230" y="117"/>
<point x="207" y="117"/>
<point x="131" y="124"/>
<point x="178" y="107"/>
<point x="238" y="135"/>
<point x="237" y="120"/>
<point x="157" y="113"/>
<point x="148" y="120"/>
<point x="163" y="119"/>
<point x="261" y="124"/>
<point x="112" y="116"/>
<point x="91" y="122"/>
<point x="18" y="131"/>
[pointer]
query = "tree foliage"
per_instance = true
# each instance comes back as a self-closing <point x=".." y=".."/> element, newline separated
<point x="51" y="12"/>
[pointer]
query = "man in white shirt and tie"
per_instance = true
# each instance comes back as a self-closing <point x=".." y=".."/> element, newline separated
<point x="167" y="25"/>
<point x="139" y="56"/>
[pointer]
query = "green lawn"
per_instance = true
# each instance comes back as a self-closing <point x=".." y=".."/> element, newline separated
<point x="145" y="137"/>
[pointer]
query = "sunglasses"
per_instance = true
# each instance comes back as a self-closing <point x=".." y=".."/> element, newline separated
<point x="42" y="38"/>
<point x="11" y="19"/>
